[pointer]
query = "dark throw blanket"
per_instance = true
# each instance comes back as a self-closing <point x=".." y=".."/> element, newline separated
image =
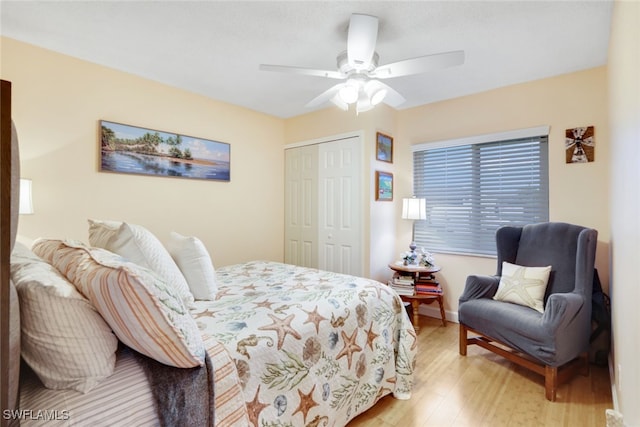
<point x="182" y="396"/>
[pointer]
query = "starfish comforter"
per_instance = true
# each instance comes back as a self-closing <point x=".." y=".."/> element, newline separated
<point x="311" y="347"/>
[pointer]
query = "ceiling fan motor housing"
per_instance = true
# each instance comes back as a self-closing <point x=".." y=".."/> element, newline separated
<point x="346" y="68"/>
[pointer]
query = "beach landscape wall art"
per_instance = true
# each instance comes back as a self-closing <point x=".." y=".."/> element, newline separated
<point x="384" y="147"/>
<point x="136" y="150"/>
<point x="384" y="186"/>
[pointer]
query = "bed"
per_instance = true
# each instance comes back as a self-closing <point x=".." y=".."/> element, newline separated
<point x="286" y="345"/>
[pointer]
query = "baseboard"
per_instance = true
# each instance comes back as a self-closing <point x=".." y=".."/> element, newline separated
<point x="614" y="392"/>
<point x="427" y="310"/>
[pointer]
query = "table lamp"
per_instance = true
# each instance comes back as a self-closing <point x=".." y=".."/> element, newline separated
<point x="26" y="201"/>
<point x="413" y="209"/>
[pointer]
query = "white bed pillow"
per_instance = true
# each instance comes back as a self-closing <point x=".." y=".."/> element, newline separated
<point x="64" y="339"/>
<point x="140" y="246"/>
<point x="523" y="285"/>
<point x="144" y="312"/>
<point x="195" y="264"/>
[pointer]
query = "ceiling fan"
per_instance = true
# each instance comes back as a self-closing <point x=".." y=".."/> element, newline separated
<point x="358" y="66"/>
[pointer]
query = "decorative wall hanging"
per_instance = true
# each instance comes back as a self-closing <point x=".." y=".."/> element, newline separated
<point x="384" y="186"/>
<point x="580" y="145"/>
<point x="384" y="147"/>
<point x="136" y="150"/>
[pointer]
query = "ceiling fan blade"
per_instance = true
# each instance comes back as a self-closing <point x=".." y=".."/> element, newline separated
<point x="393" y="98"/>
<point x="324" y="96"/>
<point x="361" y="40"/>
<point x="420" y="64"/>
<point x="303" y="71"/>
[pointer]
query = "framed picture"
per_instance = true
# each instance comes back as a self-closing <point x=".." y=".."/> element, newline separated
<point x="580" y="144"/>
<point x="384" y="148"/>
<point x="384" y="186"/>
<point x="136" y="150"/>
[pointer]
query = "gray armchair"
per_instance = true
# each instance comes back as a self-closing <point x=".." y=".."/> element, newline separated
<point x="554" y="343"/>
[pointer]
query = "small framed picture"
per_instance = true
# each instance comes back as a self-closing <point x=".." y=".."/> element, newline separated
<point x="384" y="186"/>
<point x="580" y="144"/>
<point x="384" y="148"/>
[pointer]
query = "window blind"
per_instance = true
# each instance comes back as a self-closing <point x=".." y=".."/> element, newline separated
<point x="473" y="189"/>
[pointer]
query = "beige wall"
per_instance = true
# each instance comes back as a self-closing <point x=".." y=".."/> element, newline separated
<point x="57" y="103"/>
<point x="578" y="193"/>
<point x="624" y="95"/>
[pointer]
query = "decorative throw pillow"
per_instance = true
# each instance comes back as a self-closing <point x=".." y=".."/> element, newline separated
<point x="523" y="285"/>
<point x="195" y="263"/>
<point x="143" y="311"/>
<point x="45" y="249"/>
<point x="64" y="339"/>
<point x="140" y="246"/>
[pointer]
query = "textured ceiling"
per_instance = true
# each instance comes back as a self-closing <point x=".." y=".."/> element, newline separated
<point x="214" y="48"/>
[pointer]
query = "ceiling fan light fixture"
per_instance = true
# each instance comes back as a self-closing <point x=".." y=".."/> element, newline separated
<point x="362" y="107"/>
<point x="378" y="96"/>
<point x="364" y="103"/>
<point x="375" y="91"/>
<point x="349" y="93"/>
<point x="338" y="102"/>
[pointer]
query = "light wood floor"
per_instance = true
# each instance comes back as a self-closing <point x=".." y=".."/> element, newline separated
<point x="483" y="389"/>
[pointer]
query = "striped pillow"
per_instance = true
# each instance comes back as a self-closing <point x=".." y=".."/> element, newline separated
<point x="143" y="311"/>
<point x="140" y="246"/>
<point x="45" y="248"/>
<point x="64" y="339"/>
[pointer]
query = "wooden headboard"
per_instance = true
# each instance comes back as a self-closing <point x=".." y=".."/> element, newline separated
<point x="9" y="308"/>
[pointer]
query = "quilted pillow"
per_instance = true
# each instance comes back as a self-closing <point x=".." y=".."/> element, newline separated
<point x="64" y="339"/>
<point x="143" y="311"/>
<point x="523" y="285"/>
<point x="195" y="263"/>
<point x="140" y="246"/>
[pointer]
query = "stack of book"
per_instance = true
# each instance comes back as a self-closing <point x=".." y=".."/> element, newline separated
<point x="427" y="286"/>
<point x="403" y="285"/>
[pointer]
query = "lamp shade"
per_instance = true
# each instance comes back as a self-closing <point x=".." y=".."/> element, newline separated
<point x="414" y="208"/>
<point x="26" y="203"/>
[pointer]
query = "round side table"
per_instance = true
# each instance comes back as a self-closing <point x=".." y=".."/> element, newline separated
<point x="421" y="273"/>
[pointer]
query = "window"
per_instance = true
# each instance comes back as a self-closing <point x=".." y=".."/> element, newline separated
<point x="473" y="188"/>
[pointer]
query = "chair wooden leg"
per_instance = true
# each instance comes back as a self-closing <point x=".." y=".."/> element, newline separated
<point x="463" y="340"/>
<point x="550" y="383"/>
